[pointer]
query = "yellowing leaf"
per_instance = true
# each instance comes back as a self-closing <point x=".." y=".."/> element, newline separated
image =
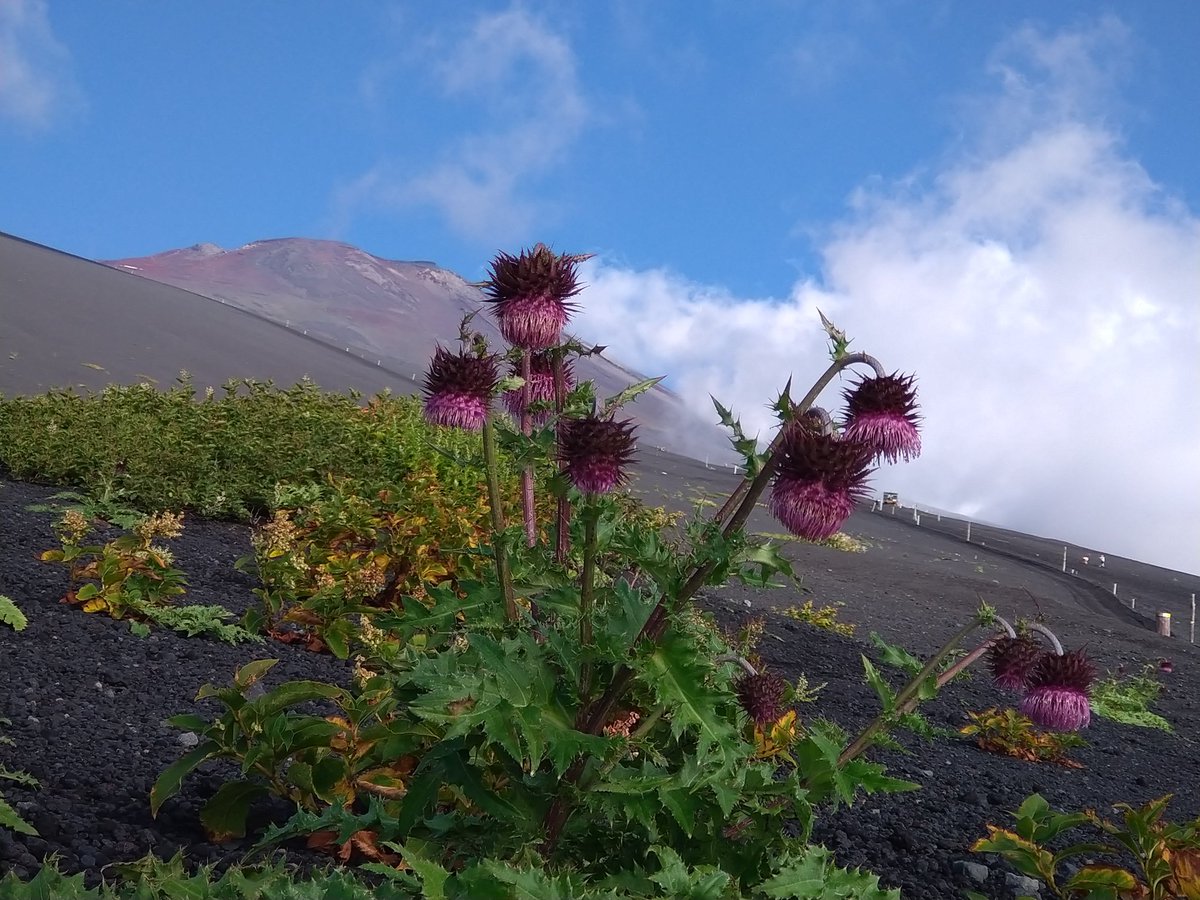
<point x="97" y="605"/>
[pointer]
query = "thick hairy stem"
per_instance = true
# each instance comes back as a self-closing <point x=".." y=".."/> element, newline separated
<point x="737" y="497"/>
<point x="500" y="545"/>
<point x="562" y="538"/>
<point x="740" y="661"/>
<point x="587" y="589"/>
<point x="907" y="694"/>
<point x="527" y="471"/>
<point x="1048" y="635"/>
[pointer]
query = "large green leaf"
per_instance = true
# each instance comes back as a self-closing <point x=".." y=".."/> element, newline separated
<point x="168" y="782"/>
<point x="293" y="693"/>
<point x="224" y="816"/>
<point x="681" y="684"/>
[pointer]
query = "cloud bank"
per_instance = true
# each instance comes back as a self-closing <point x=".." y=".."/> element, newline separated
<point x="35" y="80"/>
<point x="517" y="78"/>
<point x="1040" y="284"/>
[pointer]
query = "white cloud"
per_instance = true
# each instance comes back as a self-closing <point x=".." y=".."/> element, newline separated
<point x="35" y="79"/>
<point x="1045" y="294"/>
<point x="517" y="79"/>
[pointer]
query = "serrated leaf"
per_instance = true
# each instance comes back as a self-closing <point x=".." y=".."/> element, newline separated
<point x="616" y="401"/>
<point x="10" y="818"/>
<point x="681" y="685"/>
<point x="883" y="690"/>
<point x="433" y="877"/>
<point x="10" y="615"/>
<point x="892" y="655"/>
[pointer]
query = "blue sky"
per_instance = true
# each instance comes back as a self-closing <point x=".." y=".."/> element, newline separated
<point x="1001" y="197"/>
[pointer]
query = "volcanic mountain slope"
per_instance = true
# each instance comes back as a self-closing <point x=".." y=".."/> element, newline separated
<point x="69" y="322"/>
<point x="390" y="313"/>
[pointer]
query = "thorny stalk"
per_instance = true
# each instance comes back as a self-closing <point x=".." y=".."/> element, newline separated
<point x="500" y="544"/>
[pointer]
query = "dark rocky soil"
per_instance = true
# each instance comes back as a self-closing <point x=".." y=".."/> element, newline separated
<point x="87" y="699"/>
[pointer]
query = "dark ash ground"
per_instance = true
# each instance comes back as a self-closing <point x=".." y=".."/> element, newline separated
<point x="87" y="699"/>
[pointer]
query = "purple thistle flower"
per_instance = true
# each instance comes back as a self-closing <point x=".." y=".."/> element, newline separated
<point x="819" y="479"/>
<point x="459" y="388"/>
<point x="882" y="413"/>
<point x="541" y="387"/>
<point x="1058" y="695"/>
<point x="531" y="292"/>
<point x="595" y="453"/>
<point x="1012" y="661"/>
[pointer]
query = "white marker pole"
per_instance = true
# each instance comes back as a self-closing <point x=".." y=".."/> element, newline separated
<point x="968" y="532"/>
<point x="1064" y="559"/>
<point x="1114" y="589"/>
<point x="1193" y="635"/>
<point x="1133" y="602"/>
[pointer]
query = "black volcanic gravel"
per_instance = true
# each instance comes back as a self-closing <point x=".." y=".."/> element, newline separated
<point x="87" y="699"/>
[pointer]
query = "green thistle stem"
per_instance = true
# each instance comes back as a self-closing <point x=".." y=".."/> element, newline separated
<point x="527" y="472"/>
<point x="587" y="589"/>
<point x="500" y="544"/>
<point x="907" y="698"/>
<point x="562" y="542"/>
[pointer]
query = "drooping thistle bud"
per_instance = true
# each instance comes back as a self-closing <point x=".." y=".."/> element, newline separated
<point x="1058" y="691"/>
<point x="596" y="452"/>
<point x="459" y="389"/>
<point x="1012" y="660"/>
<point x="882" y="413"/>
<point x="541" y="387"/>
<point x="819" y="479"/>
<point x="530" y="293"/>
<point x="761" y="696"/>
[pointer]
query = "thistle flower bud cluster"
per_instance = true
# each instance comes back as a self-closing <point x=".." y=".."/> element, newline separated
<point x="1055" y="687"/>
<point x="822" y="474"/>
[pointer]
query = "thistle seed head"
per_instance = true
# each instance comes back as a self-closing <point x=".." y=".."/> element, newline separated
<point x="1012" y="660"/>
<point x="819" y="479"/>
<point x="595" y="453"/>
<point x="882" y="413"/>
<point x="459" y="388"/>
<point x="530" y="293"/>
<point x="1059" y="690"/>
<point x="761" y="696"/>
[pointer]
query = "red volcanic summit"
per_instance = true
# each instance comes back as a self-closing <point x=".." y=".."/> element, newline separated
<point x="390" y="313"/>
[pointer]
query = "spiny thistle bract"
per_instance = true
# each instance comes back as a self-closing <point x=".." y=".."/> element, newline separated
<point x="761" y="696"/>
<point x="541" y="386"/>
<point x="595" y="453"/>
<point x="459" y="388"/>
<point x="530" y="293"/>
<point x="1058" y="691"/>
<point x="819" y="479"/>
<point x="1012" y="660"/>
<point x="882" y="413"/>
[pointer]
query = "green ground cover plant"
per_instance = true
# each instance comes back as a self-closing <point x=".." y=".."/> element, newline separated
<point x="1166" y="855"/>
<point x="1127" y="698"/>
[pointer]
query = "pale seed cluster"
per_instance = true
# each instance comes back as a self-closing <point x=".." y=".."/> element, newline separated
<point x="165" y="525"/>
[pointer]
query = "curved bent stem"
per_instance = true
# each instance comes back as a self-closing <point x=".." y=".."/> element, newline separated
<point x="755" y="486"/>
<point x="1048" y="635"/>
